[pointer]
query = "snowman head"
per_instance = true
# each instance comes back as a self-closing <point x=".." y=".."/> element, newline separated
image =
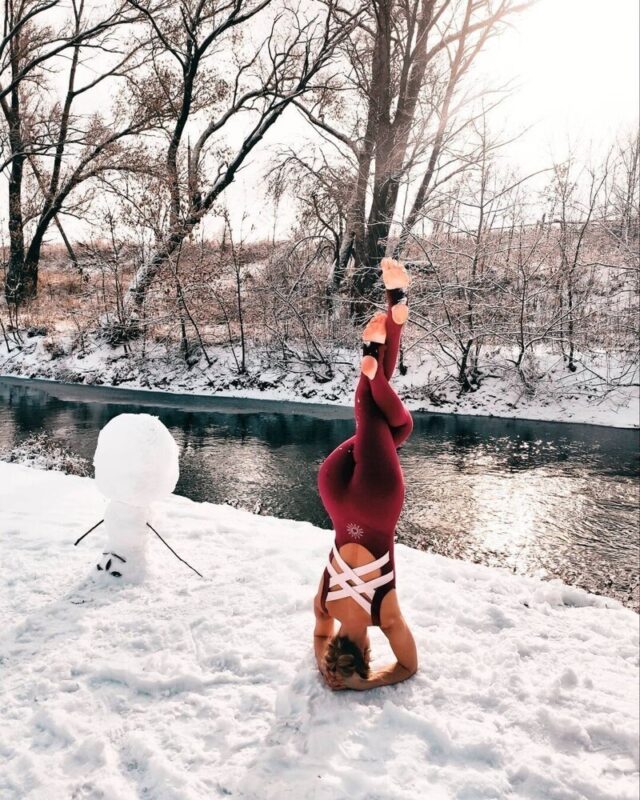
<point x="136" y="460"/>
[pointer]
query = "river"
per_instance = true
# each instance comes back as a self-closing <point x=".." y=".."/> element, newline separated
<point x="538" y="498"/>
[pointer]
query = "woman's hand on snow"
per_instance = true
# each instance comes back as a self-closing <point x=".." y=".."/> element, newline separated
<point x="356" y="682"/>
<point x="334" y="681"/>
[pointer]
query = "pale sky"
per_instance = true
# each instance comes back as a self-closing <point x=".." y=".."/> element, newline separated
<point x="575" y="64"/>
<point x="575" y="67"/>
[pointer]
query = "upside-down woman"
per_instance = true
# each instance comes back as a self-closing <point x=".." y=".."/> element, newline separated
<point x="362" y="489"/>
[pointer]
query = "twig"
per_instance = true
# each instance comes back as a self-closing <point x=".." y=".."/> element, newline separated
<point x="88" y="532"/>
<point x="173" y="551"/>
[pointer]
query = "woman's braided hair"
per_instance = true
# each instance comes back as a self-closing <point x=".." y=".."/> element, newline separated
<point x="344" y="657"/>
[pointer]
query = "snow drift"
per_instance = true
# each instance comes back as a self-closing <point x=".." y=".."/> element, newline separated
<point x="183" y="689"/>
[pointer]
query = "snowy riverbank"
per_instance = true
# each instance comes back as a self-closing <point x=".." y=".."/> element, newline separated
<point x="187" y="688"/>
<point x="584" y="396"/>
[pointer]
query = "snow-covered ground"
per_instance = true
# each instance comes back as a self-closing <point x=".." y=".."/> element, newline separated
<point x="584" y="396"/>
<point x="186" y="688"/>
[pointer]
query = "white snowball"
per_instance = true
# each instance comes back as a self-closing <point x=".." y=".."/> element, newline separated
<point x="136" y="459"/>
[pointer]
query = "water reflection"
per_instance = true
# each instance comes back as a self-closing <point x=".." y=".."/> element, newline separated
<point x="535" y="497"/>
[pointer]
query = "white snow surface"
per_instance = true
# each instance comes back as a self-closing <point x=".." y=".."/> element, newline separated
<point x="186" y="688"/>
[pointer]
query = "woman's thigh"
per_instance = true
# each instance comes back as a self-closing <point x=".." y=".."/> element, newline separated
<point x="336" y="473"/>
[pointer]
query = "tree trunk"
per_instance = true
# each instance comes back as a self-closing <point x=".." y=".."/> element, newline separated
<point x="391" y="140"/>
<point x="17" y="287"/>
<point x="425" y="184"/>
<point x="393" y="137"/>
<point x="377" y="142"/>
<point x="353" y="243"/>
<point x="463" y="376"/>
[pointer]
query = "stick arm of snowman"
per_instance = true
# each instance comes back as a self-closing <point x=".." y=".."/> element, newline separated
<point x="173" y="551"/>
<point x="77" y="541"/>
<point x="166" y="544"/>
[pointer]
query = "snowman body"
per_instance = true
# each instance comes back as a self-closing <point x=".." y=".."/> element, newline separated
<point x="125" y="552"/>
<point x="136" y="464"/>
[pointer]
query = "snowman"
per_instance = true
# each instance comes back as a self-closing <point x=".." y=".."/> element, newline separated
<point x="136" y="464"/>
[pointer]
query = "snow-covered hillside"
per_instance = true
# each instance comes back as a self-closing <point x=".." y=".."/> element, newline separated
<point x="587" y="396"/>
<point x="185" y="689"/>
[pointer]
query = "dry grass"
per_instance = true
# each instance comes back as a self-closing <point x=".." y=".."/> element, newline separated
<point x="282" y="295"/>
<point x="74" y="299"/>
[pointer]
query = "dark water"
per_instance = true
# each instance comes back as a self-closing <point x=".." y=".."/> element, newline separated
<point x="553" y="499"/>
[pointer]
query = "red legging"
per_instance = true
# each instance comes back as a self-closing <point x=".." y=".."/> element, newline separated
<point x="361" y="482"/>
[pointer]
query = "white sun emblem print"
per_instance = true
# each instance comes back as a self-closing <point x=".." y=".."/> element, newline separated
<point x="355" y="531"/>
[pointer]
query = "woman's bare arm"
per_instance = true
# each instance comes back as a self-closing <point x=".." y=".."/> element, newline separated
<point x="404" y="648"/>
<point x="322" y="635"/>
<point x="323" y="630"/>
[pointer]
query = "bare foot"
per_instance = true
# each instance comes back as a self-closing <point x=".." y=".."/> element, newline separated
<point x="376" y="330"/>
<point x="394" y="275"/>
<point x="396" y="280"/>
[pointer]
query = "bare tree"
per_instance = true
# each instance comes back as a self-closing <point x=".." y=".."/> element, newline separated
<point x="396" y="75"/>
<point x="527" y="285"/>
<point x="52" y="147"/>
<point x="321" y="188"/>
<point x="461" y="60"/>
<point x="574" y="215"/>
<point x="262" y="84"/>
<point x="238" y="275"/>
<point x="622" y="204"/>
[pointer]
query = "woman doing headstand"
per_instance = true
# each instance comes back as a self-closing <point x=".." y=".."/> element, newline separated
<point x="362" y="489"/>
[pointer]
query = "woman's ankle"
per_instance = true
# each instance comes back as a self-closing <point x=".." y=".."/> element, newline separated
<point x="369" y="365"/>
<point x="398" y="305"/>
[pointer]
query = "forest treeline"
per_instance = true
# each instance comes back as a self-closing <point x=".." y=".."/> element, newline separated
<point x="136" y="116"/>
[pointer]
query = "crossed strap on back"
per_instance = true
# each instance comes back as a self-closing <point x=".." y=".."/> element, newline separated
<point x="357" y="588"/>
